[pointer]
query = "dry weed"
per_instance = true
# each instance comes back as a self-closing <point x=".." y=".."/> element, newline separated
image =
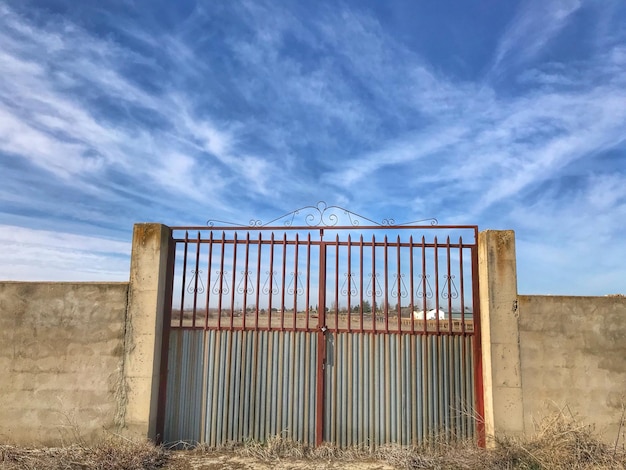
<point x="561" y="442"/>
<point x="112" y="453"/>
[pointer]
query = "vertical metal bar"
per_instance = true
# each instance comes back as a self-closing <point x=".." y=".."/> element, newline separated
<point x="321" y="348"/>
<point x="295" y="284"/>
<point x="242" y="386"/>
<point x="387" y="407"/>
<point x="204" y="387"/>
<point x="412" y="286"/>
<point x="452" y="408"/>
<point x="450" y="277"/>
<point x="195" y="285"/>
<point x="440" y="390"/>
<point x="399" y="291"/>
<point x="374" y="395"/>
<point x="182" y="293"/>
<point x="424" y="287"/>
<point x="337" y="283"/>
<point x="436" y="248"/>
<point x="308" y="281"/>
<point x="280" y="378"/>
<point x="462" y="285"/>
<point x="477" y="346"/>
<point x="293" y="407"/>
<point x="307" y="386"/>
<point x="216" y="359"/>
<point x="373" y="283"/>
<point x="426" y="397"/>
<point x="271" y="283"/>
<point x="208" y="281"/>
<point x="399" y="395"/>
<point x="254" y="405"/>
<point x="361" y="284"/>
<point x="464" y="373"/>
<point x="349" y="280"/>
<point x="221" y="288"/>
<point x="282" y="290"/>
<point x="244" y="307"/>
<point x="165" y="338"/>
<point x="232" y="284"/>
<point x="334" y="415"/>
<point x="413" y="367"/>
<point x="268" y="389"/>
<point x="227" y="382"/>
<point x="362" y="368"/>
<point x="258" y="284"/>
<point x="386" y="270"/>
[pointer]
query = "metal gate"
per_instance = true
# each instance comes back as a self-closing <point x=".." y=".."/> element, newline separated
<point x="356" y="333"/>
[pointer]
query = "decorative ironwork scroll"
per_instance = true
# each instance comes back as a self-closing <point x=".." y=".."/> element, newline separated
<point x="424" y="289"/>
<point x="321" y="215"/>
<point x="195" y="285"/>
<point x="399" y="287"/>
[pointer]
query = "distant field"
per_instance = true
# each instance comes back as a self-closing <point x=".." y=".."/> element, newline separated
<point x="302" y="321"/>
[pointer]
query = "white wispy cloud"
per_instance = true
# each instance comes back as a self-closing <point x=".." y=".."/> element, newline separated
<point x="536" y="23"/>
<point x="33" y="254"/>
<point x="284" y="105"/>
<point x="47" y="114"/>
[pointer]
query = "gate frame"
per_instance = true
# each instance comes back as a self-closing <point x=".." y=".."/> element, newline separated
<point x="387" y="224"/>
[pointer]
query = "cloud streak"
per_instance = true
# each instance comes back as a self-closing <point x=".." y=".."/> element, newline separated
<point x="249" y="109"/>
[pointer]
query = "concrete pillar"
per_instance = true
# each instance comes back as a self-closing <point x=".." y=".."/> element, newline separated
<point x="147" y="312"/>
<point x="504" y="413"/>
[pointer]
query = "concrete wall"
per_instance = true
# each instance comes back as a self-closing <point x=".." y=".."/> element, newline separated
<point x="61" y="359"/>
<point x="86" y="354"/>
<point x="543" y="353"/>
<point x="573" y="353"/>
<point x="92" y="355"/>
<point x="145" y="364"/>
<point x="499" y="333"/>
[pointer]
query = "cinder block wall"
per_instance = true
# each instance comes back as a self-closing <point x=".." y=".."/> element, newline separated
<point x="573" y="354"/>
<point x="61" y="359"/>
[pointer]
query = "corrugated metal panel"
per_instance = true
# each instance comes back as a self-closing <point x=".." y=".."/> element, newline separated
<point x="397" y="388"/>
<point x="238" y="385"/>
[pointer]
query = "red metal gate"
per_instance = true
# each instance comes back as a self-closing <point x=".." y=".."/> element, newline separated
<point x="360" y="333"/>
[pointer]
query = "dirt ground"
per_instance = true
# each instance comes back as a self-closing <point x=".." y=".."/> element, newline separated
<point x="230" y="461"/>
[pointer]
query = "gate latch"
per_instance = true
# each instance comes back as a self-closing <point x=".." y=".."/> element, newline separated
<point x="324" y="329"/>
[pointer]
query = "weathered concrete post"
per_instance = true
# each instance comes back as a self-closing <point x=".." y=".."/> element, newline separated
<point x="504" y="413"/>
<point x="147" y="312"/>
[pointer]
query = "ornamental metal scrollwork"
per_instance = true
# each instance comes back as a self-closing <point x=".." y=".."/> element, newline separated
<point x="270" y="285"/>
<point x="349" y="286"/>
<point x="424" y="290"/>
<point x="373" y="288"/>
<point x="449" y="290"/>
<point x="195" y="285"/>
<point x="321" y="215"/>
<point x="399" y="287"/>
<point x="220" y="286"/>
<point x="295" y="285"/>
<point x="243" y="287"/>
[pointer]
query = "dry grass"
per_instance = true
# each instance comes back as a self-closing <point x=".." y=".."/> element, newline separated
<point x="112" y="453"/>
<point x="561" y="442"/>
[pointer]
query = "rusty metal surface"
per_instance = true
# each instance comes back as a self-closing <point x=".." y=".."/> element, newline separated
<point x="223" y="281"/>
<point x="362" y="333"/>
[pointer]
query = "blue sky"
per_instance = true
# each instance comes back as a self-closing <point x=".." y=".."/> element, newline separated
<point x="508" y="115"/>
